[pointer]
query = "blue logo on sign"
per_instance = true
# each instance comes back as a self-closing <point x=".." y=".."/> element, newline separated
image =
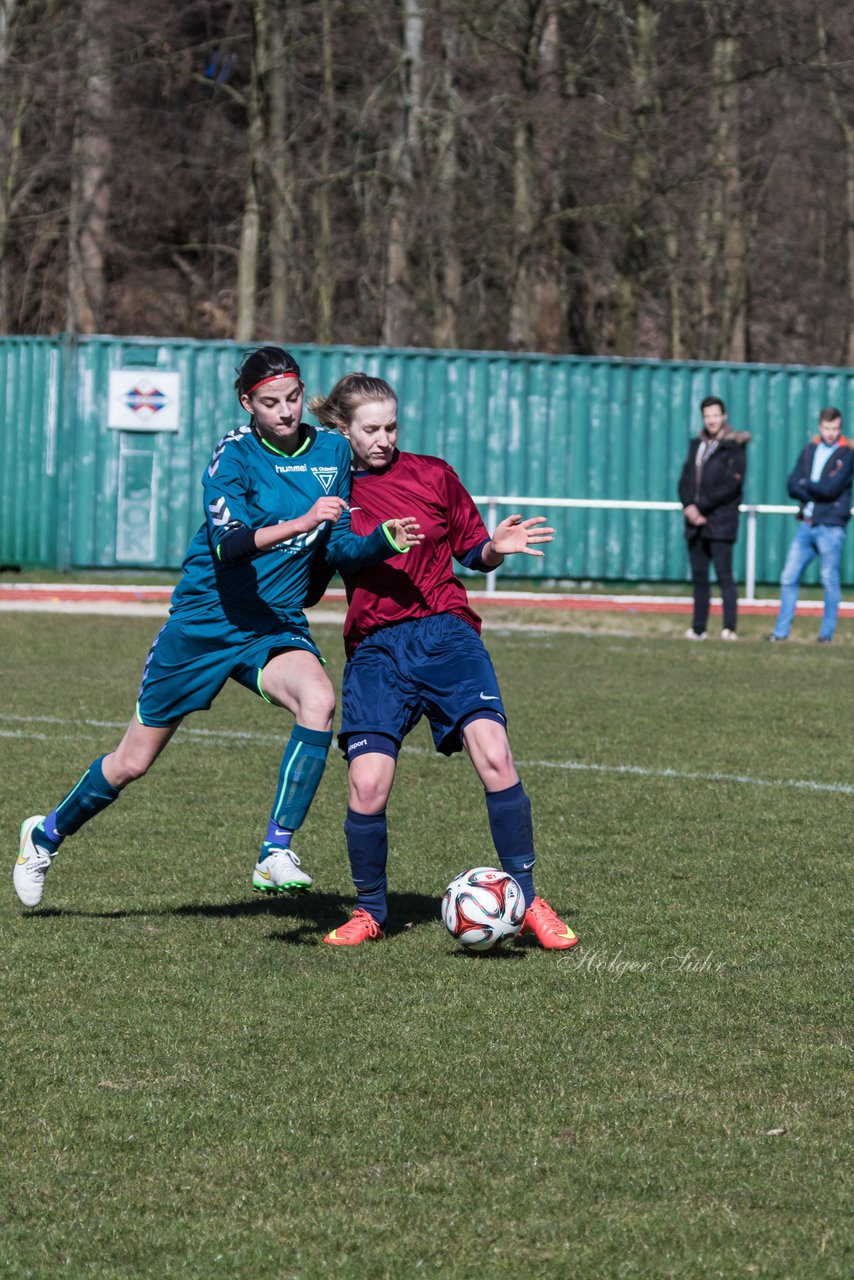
<point x="146" y="401"/>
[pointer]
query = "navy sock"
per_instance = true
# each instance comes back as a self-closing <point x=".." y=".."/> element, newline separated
<point x="276" y="838"/>
<point x="513" y="835"/>
<point x="91" y="794"/>
<point x="367" y="847"/>
<point x="299" y="775"/>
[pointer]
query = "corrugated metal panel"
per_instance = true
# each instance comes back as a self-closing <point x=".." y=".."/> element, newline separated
<point x="31" y="385"/>
<point x="530" y="425"/>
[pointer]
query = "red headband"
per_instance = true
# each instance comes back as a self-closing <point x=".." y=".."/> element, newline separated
<point x="274" y="377"/>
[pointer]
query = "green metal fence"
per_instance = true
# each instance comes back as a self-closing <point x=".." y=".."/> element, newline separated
<point x="89" y="475"/>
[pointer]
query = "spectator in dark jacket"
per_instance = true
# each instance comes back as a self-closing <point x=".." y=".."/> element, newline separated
<point x="710" y="489"/>
<point x="821" y="483"/>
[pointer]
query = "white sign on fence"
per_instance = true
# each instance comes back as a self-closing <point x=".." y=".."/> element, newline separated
<point x="144" y="400"/>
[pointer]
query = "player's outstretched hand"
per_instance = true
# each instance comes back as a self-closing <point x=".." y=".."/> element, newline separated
<point x="515" y="534"/>
<point x="324" y="509"/>
<point x="405" y="532"/>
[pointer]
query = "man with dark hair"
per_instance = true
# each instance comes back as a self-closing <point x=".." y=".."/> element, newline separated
<point x="821" y="483"/>
<point x="710" y="489"/>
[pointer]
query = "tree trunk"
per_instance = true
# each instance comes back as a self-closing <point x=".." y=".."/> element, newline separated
<point x="10" y="147"/>
<point x="674" y="291"/>
<point x="728" y="208"/>
<point x="250" y="223"/>
<point x="538" y="302"/>
<point x="632" y="261"/>
<point x="324" y="276"/>
<point x="91" y="155"/>
<point x="445" y="333"/>
<point x="281" y="223"/>
<point x="397" y="320"/>
<point x="522" y="305"/>
<point x="550" y="300"/>
<point x="847" y="131"/>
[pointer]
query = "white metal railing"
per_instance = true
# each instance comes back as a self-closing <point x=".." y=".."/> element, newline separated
<point x="751" y="510"/>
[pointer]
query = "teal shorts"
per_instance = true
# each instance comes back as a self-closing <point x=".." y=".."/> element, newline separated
<point x="189" y="662"/>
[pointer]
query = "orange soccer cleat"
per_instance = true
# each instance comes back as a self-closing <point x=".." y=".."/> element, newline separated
<point x="550" y="931"/>
<point x="361" y="928"/>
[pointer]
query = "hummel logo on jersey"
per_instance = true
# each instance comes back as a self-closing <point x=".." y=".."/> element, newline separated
<point x="325" y="475"/>
<point x="237" y="434"/>
<point x="220" y="514"/>
<point x="489" y="697"/>
<point x="295" y="466"/>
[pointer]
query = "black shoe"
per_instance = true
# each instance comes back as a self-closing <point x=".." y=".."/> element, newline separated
<point x="825" y="640"/>
<point x="776" y="639"/>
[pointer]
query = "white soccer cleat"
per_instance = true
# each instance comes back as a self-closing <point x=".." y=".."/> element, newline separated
<point x="280" y="872"/>
<point x="32" y="865"/>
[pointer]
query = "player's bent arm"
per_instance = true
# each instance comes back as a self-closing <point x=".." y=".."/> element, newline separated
<point x="325" y="509"/>
<point x="241" y="543"/>
<point x="348" y="552"/>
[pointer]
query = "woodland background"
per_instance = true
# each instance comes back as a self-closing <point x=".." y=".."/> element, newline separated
<point x="670" y="179"/>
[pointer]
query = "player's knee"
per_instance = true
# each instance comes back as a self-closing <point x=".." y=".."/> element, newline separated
<point x="497" y="774"/>
<point x="494" y="763"/>
<point x="316" y="707"/>
<point x="368" y="792"/>
<point x="126" y="765"/>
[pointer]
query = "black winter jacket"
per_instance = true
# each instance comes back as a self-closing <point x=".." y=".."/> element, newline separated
<point x="831" y="493"/>
<point x="717" y="488"/>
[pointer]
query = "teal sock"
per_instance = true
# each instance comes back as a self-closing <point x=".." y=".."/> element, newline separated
<point x="299" y="775"/>
<point x="91" y="794"/>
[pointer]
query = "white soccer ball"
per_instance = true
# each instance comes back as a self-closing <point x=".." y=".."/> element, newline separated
<point x="482" y="908"/>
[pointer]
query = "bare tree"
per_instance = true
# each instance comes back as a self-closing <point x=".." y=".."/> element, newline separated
<point x="325" y="277"/>
<point x="397" y="319"/>
<point x="91" y="159"/>
<point x="538" y="305"/>
<point x="406" y="171"/>
<point x="11" y="114"/>
<point x="250" y="224"/>
<point x="446" y="327"/>
<point x="838" y="100"/>
<point x="639" y="31"/>
<point x="281" y="176"/>
<point x="722" y="224"/>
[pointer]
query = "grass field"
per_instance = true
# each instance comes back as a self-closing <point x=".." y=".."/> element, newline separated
<point x="193" y="1086"/>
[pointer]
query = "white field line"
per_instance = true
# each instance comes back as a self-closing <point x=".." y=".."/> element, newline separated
<point x="226" y="737"/>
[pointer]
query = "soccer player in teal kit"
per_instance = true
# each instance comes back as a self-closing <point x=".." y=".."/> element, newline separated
<point x="275" y="495"/>
<point x="414" y="649"/>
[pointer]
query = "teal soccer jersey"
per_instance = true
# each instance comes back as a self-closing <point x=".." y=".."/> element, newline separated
<point x="249" y="485"/>
<point x="232" y="612"/>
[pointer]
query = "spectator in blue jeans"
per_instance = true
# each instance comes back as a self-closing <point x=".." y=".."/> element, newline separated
<point x="821" y="483"/>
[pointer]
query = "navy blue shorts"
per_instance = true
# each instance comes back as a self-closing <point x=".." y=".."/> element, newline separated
<point x="189" y="662"/>
<point x="436" y="667"/>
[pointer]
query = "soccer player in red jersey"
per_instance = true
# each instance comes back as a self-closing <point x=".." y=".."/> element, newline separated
<point x="413" y="648"/>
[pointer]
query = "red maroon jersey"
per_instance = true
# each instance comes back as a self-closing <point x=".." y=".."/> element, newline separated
<point x="421" y="581"/>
